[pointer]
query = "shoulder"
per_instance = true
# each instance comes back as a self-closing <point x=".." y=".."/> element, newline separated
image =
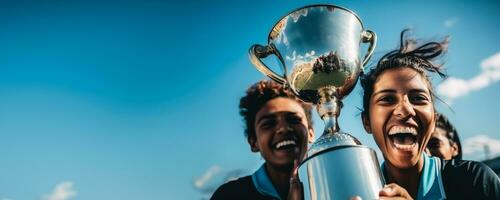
<point x="474" y="178"/>
<point x="241" y="188"/>
<point x="470" y="169"/>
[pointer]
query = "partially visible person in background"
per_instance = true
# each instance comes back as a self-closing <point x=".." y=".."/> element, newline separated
<point x="278" y="125"/>
<point x="444" y="142"/>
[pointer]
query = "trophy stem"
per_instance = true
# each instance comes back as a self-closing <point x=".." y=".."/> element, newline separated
<point x="329" y="106"/>
<point x="331" y="124"/>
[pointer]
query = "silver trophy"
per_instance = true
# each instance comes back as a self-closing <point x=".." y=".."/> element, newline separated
<point x="318" y="47"/>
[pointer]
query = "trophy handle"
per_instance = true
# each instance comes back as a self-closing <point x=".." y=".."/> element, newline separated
<point x="368" y="36"/>
<point x="257" y="52"/>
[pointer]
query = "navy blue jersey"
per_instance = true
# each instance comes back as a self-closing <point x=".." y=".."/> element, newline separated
<point x="469" y="180"/>
<point x="243" y="189"/>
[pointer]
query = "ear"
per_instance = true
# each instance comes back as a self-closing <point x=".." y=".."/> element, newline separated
<point x="366" y="123"/>
<point x="252" y="141"/>
<point x="310" y="135"/>
<point x="454" y="149"/>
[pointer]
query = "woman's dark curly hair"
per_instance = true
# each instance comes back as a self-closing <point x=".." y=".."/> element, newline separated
<point x="451" y="133"/>
<point x="258" y="95"/>
<point x="419" y="59"/>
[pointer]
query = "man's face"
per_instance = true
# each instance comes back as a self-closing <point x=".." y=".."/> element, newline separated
<point x="440" y="146"/>
<point x="282" y="132"/>
<point x="401" y="116"/>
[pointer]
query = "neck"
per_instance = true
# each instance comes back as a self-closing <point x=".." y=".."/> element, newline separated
<point x="406" y="178"/>
<point x="280" y="178"/>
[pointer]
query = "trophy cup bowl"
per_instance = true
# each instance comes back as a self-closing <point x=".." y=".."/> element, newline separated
<point x="318" y="47"/>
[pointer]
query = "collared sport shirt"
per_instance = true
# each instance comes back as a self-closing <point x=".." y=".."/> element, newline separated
<point x="431" y="183"/>
<point x="461" y="180"/>
<point x="263" y="183"/>
<point x="253" y="187"/>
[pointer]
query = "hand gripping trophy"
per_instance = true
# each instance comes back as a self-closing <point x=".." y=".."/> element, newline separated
<point x="318" y="48"/>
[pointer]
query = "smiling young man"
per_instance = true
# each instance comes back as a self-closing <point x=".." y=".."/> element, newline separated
<point x="279" y="127"/>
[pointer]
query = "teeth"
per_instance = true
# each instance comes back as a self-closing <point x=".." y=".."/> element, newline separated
<point x="405" y="147"/>
<point x="400" y="129"/>
<point x="285" y="142"/>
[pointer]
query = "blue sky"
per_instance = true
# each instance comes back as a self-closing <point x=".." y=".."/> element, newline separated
<point x="138" y="100"/>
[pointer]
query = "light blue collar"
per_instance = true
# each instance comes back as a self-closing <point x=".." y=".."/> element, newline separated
<point x="431" y="184"/>
<point x="263" y="183"/>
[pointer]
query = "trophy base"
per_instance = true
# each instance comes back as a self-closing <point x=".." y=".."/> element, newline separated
<point x="342" y="172"/>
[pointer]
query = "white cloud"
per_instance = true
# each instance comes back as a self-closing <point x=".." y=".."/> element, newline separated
<point x="450" y="22"/>
<point x="213" y="178"/>
<point x="491" y="63"/>
<point x="453" y="88"/>
<point x="62" y="191"/>
<point x="301" y="59"/>
<point x="206" y="177"/>
<point x="478" y="144"/>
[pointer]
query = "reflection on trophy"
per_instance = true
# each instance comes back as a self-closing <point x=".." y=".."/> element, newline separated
<point x="318" y="49"/>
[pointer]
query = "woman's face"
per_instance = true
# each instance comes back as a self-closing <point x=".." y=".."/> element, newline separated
<point x="401" y="116"/>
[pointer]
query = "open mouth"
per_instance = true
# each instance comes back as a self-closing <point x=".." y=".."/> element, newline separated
<point x="403" y="138"/>
<point x="286" y="144"/>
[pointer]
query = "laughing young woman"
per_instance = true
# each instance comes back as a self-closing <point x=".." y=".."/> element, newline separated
<point x="398" y="102"/>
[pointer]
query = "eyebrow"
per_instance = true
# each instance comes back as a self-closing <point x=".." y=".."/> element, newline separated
<point x="273" y="115"/>
<point x="419" y="90"/>
<point x="384" y="91"/>
<point x="268" y="116"/>
<point x="394" y="91"/>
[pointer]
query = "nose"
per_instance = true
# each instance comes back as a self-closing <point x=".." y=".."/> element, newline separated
<point x="404" y="108"/>
<point x="282" y="126"/>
